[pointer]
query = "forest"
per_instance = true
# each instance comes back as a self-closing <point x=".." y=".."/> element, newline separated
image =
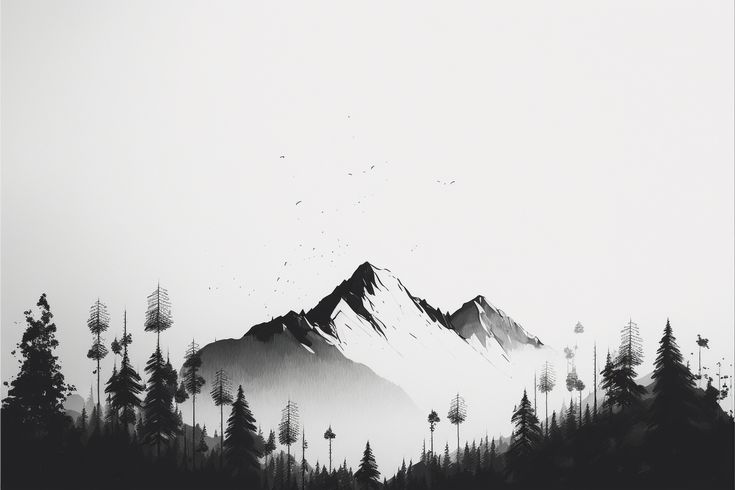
<point x="669" y="434"/>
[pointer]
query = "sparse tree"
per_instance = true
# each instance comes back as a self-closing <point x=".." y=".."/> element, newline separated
<point x="546" y="383"/>
<point x="221" y="395"/>
<point x="329" y="435"/>
<point x="630" y="355"/>
<point x="579" y="386"/>
<point x="193" y="383"/>
<point x="288" y="432"/>
<point x="158" y="315"/>
<point x="433" y="420"/>
<point x="98" y="322"/>
<point x="457" y="415"/>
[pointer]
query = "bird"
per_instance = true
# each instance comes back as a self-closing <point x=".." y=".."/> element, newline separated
<point x="297" y="203"/>
<point x="372" y="167"/>
<point x="348" y="173"/>
<point x="282" y="156"/>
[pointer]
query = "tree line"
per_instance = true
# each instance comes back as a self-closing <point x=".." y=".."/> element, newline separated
<point x="670" y="434"/>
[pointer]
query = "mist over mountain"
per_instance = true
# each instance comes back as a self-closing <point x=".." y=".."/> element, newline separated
<point x="371" y="359"/>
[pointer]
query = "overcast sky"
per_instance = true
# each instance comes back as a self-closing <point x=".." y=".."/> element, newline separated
<point x="590" y="145"/>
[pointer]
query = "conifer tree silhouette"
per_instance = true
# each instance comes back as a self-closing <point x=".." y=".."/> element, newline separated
<point x="98" y="322"/>
<point x="193" y="383"/>
<point x="288" y="432"/>
<point x="433" y="419"/>
<point x="367" y="475"/>
<point x="329" y="435"/>
<point x="221" y="395"/>
<point x="240" y="448"/>
<point x="546" y="384"/>
<point x="457" y="415"/>
<point x="526" y="438"/>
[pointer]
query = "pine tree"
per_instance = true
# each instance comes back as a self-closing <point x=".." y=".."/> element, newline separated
<point x="555" y="431"/>
<point x="630" y="355"/>
<point x="493" y="454"/>
<point x="571" y="421"/>
<point x="270" y="444"/>
<point x="367" y="475"/>
<point x="546" y="383"/>
<point x="158" y="315"/>
<point x="83" y="420"/>
<point x="127" y="387"/>
<point x="160" y="422"/>
<point x="98" y="322"/>
<point x="37" y="394"/>
<point x="608" y="384"/>
<point x="221" y="395"/>
<point x="674" y="405"/>
<point x="288" y="432"/>
<point x="527" y="436"/>
<point x="433" y="420"/>
<point x="110" y="386"/>
<point x="457" y="415"/>
<point x="193" y="383"/>
<point x="329" y="435"/>
<point x="202" y="447"/>
<point x="587" y="416"/>
<point x="446" y="461"/>
<point x="579" y="386"/>
<point x="240" y="448"/>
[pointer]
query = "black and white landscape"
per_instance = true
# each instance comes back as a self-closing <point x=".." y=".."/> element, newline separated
<point x="334" y="245"/>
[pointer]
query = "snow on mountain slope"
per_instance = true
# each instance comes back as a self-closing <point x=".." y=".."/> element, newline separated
<point x="373" y="359"/>
<point x="376" y="321"/>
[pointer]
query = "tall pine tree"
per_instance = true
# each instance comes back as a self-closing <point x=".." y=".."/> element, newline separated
<point x="193" y="383"/>
<point x="125" y="392"/>
<point x="527" y="436"/>
<point x="630" y="355"/>
<point x="367" y="475"/>
<point x="221" y="395"/>
<point x="240" y="448"/>
<point x="98" y="322"/>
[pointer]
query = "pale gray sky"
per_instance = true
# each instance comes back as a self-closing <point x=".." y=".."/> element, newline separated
<point x="591" y="145"/>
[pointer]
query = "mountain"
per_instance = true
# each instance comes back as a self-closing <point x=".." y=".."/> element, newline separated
<point x="371" y="359"/>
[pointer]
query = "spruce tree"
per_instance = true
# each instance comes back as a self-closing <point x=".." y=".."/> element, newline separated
<point x="221" y="395"/>
<point x="36" y="396"/>
<point x="555" y="431"/>
<point x="367" y="475"/>
<point x="433" y="419"/>
<point x="125" y="391"/>
<point x="240" y="448"/>
<point x="546" y="383"/>
<point x="98" y="322"/>
<point x="288" y="432"/>
<point x="527" y="436"/>
<point x="457" y="415"/>
<point x="630" y="355"/>
<point x="673" y="410"/>
<point x="193" y="383"/>
<point x="570" y="424"/>
<point x="160" y="423"/>
<point x="608" y="384"/>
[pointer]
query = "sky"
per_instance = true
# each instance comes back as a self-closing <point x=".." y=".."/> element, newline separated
<point x="590" y="146"/>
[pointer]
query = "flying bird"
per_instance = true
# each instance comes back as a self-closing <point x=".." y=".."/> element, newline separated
<point x="282" y="156"/>
<point x="297" y="203"/>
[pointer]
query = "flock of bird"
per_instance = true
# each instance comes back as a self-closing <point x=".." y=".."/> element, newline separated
<point x="338" y="246"/>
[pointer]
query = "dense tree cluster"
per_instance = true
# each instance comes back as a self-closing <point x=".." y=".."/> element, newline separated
<point x="670" y="434"/>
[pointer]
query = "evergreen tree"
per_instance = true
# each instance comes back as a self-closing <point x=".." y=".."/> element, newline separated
<point x="158" y="315"/>
<point x="367" y="475"/>
<point x="270" y="444"/>
<point x="288" y="432"/>
<point x="546" y="383"/>
<point x="527" y="435"/>
<point x="608" y="384"/>
<point x="630" y="355"/>
<point x="202" y="447"/>
<point x="127" y="386"/>
<point x="579" y="386"/>
<point x="98" y="322"/>
<point x="221" y="395"/>
<point x="446" y="461"/>
<point x="37" y="394"/>
<point x="83" y="420"/>
<point x="587" y="416"/>
<point x="110" y="386"/>
<point x="193" y="383"/>
<point x="240" y="448"/>
<point x="329" y="435"/>
<point x="673" y="410"/>
<point x="160" y="421"/>
<point x="571" y="421"/>
<point x="493" y="455"/>
<point x="433" y="420"/>
<point x="457" y="415"/>
<point x="555" y="431"/>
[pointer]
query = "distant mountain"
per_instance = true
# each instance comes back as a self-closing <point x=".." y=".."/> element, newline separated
<point x="74" y="403"/>
<point x="371" y="359"/>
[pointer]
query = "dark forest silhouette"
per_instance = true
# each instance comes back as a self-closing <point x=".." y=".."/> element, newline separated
<point x="670" y="434"/>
